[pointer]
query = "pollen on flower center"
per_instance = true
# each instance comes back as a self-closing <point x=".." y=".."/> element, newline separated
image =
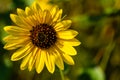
<point x="43" y="36"/>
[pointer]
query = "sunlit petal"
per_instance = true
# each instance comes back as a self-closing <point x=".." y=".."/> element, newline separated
<point x="57" y="17"/>
<point x="40" y="61"/>
<point x="28" y="11"/>
<point x="68" y="59"/>
<point x="25" y="61"/>
<point x="36" y="7"/>
<point x="68" y="49"/>
<point x="32" y="59"/>
<point x="21" y="12"/>
<point x="71" y="42"/>
<point x="49" y="62"/>
<point x="18" y="21"/>
<point x="22" y="52"/>
<point x="63" y="25"/>
<point x="13" y="44"/>
<point x="68" y="34"/>
<point x="54" y="11"/>
<point x="58" y="59"/>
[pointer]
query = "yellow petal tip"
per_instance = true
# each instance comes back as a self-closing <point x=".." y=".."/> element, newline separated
<point x="13" y="58"/>
<point x="11" y="15"/>
<point x="4" y="47"/>
<point x="5" y="28"/>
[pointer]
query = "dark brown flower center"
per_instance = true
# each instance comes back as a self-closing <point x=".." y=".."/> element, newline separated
<point x="43" y="36"/>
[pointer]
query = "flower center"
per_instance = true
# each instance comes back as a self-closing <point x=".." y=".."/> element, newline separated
<point x="43" y="36"/>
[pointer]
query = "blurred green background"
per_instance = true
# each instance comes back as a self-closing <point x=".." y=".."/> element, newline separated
<point x="98" y="24"/>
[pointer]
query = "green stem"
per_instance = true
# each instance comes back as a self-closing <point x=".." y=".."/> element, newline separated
<point x="62" y="74"/>
<point x="106" y="55"/>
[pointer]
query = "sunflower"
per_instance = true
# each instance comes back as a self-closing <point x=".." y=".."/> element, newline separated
<point x="41" y="37"/>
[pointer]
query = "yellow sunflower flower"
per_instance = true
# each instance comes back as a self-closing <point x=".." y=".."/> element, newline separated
<point x="41" y="38"/>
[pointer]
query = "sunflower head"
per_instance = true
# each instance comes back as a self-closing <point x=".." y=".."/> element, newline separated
<point x="41" y="38"/>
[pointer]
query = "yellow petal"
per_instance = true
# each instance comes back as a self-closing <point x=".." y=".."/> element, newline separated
<point x="39" y="17"/>
<point x="63" y="25"/>
<point x="68" y="50"/>
<point x="32" y="58"/>
<point x="49" y="62"/>
<point x="52" y="62"/>
<point x="9" y="38"/>
<point x="21" y="12"/>
<point x="28" y="11"/>
<point x="25" y="61"/>
<point x="18" y="21"/>
<point x="68" y="34"/>
<point x="13" y="44"/>
<point x="40" y="61"/>
<point x="29" y="24"/>
<point x="8" y="46"/>
<point x="36" y="7"/>
<point x="30" y="21"/>
<point x="44" y="4"/>
<point x="54" y="11"/>
<point x="58" y="60"/>
<point x="46" y="17"/>
<point x="57" y="16"/>
<point x="71" y="42"/>
<point x="22" y="52"/>
<point x="68" y="59"/>
<point x="16" y="29"/>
